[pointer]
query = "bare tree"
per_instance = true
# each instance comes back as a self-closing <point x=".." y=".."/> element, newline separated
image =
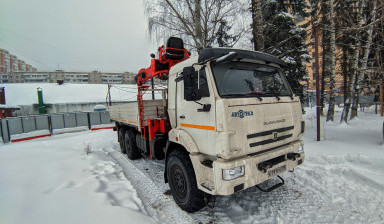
<point x="353" y="59"/>
<point x="257" y="25"/>
<point x="332" y="61"/>
<point x="325" y="42"/>
<point x="196" y="21"/>
<point x="364" y="61"/>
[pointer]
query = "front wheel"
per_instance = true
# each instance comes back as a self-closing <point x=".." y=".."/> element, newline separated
<point x="182" y="181"/>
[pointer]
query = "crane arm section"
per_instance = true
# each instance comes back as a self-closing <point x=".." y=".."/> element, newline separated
<point x="169" y="56"/>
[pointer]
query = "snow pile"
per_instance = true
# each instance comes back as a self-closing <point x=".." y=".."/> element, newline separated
<point x="26" y="93"/>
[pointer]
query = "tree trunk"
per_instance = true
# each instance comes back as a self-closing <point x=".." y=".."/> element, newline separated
<point x="323" y="74"/>
<point x="197" y="20"/>
<point x="257" y="25"/>
<point x="354" y="61"/>
<point x="360" y="74"/>
<point x="324" y="12"/>
<point x="346" y="78"/>
<point x="332" y="52"/>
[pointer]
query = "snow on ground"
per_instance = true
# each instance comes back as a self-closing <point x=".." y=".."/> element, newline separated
<point x="53" y="180"/>
<point x="26" y="93"/>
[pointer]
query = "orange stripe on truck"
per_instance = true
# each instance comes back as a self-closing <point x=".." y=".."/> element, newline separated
<point x="211" y="128"/>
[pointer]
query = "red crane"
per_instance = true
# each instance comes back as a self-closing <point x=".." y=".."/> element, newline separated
<point x="168" y="56"/>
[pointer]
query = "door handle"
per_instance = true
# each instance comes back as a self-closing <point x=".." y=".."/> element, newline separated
<point x="182" y="116"/>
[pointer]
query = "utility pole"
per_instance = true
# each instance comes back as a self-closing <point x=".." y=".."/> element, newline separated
<point x="316" y="29"/>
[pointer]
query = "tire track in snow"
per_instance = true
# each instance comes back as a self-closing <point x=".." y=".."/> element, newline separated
<point x="148" y="179"/>
<point x="161" y="207"/>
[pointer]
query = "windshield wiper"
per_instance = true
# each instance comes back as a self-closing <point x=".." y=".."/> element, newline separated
<point x="289" y="96"/>
<point x="273" y="94"/>
<point x="257" y="95"/>
<point x="245" y="94"/>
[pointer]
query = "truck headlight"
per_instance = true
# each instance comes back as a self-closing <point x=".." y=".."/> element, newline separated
<point x="230" y="174"/>
<point x="301" y="149"/>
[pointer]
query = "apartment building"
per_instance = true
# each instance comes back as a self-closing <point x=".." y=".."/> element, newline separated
<point x="68" y="77"/>
<point x="4" y="61"/>
<point x="14" y="70"/>
<point x="31" y="77"/>
<point x="76" y="78"/>
<point x="10" y="63"/>
<point x="21" y="66"/>
<point x="310" y="66"/>
<point x="4" y="78"/>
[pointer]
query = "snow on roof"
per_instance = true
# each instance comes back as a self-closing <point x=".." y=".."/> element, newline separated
<point x="8" y="107"/>
<point x="26" y="93"/>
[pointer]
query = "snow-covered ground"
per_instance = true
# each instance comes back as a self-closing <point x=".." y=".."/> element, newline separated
<point x="53" y="180"/>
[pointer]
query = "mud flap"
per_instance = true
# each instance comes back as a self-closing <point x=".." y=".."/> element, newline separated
<point x="274" y="187"/>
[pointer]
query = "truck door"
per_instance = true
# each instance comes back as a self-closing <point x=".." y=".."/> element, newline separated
<point x="191" y="117"/>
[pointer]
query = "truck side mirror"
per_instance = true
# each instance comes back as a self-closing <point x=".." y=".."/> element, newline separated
<point x="191" y="88"/>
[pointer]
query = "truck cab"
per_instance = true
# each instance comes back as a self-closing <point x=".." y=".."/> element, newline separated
<point x="228" y="121"/>
<point x="236" y="116"/>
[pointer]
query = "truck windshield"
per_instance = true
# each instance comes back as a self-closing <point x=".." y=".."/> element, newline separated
<point x="240" y="79"/>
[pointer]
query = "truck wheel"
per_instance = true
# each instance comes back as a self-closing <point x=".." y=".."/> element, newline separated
<point x="182" y="181"/>
<point x="121" y="139"/>
<point x="130" y="146"/>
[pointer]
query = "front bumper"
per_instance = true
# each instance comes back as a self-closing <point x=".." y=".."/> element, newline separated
<point x="209" y="175"/>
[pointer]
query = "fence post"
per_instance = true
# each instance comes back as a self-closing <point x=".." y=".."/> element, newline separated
<point x="1" y="129"/>
<point x="22" y="125"/>
<point x="50" y="124"/>
<point x="89" y="121"/>
<point x="8" y="134"/>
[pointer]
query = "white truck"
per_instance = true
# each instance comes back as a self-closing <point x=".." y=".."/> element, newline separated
<point x="228" y="121"/>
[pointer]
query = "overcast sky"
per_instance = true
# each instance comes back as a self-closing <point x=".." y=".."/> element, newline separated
<point x="77" y="35"/>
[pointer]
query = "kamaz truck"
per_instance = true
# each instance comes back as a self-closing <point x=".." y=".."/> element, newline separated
<point x="227" y="121"/>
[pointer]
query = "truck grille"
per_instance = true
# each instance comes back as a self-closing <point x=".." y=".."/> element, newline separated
<point x="274" y="137"/>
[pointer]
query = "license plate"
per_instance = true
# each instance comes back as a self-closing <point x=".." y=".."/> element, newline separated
<point x="277" y="171"/>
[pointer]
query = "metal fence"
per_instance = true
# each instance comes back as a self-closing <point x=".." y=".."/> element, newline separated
<point x="26" y="124"/>
<point x="364" y="101"/>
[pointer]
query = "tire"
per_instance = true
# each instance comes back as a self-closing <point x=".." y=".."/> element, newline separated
<point x="130" y="146"/>
<point x="182" y="181"/>
<point x="121" y="135"/>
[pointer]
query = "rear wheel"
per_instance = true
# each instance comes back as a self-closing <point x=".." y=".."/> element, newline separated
<point x="130" y="146"/>
<point x="182" y="181"/>
<point x="121" y="135"/>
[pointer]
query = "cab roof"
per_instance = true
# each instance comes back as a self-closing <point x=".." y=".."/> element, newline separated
<point x="211" y="53"/>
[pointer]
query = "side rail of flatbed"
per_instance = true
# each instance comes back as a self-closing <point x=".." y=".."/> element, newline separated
<point x="128" y="113"/>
